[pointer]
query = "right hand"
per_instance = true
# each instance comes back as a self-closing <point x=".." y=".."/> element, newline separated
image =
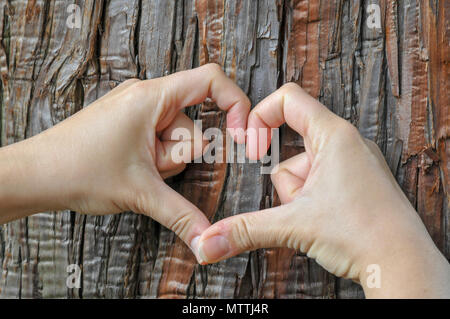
<point x="342" y="206"/>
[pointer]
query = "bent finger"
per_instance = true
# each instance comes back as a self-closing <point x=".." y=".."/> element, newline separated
<point x="292" y="105"/>
<point x="180" y="143"/>
<point x="289" y="177"/>
<point x="192" y="87"/>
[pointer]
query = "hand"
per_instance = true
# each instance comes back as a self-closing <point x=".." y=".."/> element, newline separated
<point x="113" y="155"/>
<point x="342" y="206"/>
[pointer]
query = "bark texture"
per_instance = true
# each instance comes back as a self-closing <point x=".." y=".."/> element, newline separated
<point x="392" y="82"/>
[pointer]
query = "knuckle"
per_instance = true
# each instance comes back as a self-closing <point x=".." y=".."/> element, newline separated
<point x="214" y="68"/>
<point x="291" y="86"/>
<point x="347" y="130"/>
<point x="180" y="224"/>
<point x="131" y="81"/>
<point x="135" y="90"/>
<point x="139" y="85"/>
<point x="243" y="228"/>
<point x="143" y="90"/>
<point x="129" y="97"/>
<point x="140" y="204"/>
<point x="275" y="174"/>
<point x="303" y="224"/>
<point x="180" y="167"/>
<point x="374" y="148"/>
<point x="371" y="144"/>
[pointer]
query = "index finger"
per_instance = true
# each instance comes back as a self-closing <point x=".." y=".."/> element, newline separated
<point x="191" y="87"/>
<point x="290" y="104"/>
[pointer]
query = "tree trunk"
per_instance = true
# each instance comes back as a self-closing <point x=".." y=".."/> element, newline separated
<point x="387" y="74"/>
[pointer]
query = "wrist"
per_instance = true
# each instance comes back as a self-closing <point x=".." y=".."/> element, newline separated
<point x="406" y="264"/>
<point x="31" y="180"/>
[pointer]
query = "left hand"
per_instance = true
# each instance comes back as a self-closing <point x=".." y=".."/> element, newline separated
<point x="113" y="155"/>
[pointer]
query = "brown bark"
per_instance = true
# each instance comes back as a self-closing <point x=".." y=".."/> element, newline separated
<point x="391" y="82"/>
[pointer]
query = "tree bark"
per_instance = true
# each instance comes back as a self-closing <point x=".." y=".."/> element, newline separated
<point x="392" y="82"/>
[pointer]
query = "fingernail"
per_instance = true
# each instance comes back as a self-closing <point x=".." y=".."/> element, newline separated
<point x="214" y="248"/>
<point x="194" y="248"/>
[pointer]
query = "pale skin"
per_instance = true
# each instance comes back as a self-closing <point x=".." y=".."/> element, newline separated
<point x="341" y="204"/>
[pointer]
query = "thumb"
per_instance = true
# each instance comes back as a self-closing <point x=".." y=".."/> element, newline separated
<point x="179" y="215"/>
<point x="262" y="229"/>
